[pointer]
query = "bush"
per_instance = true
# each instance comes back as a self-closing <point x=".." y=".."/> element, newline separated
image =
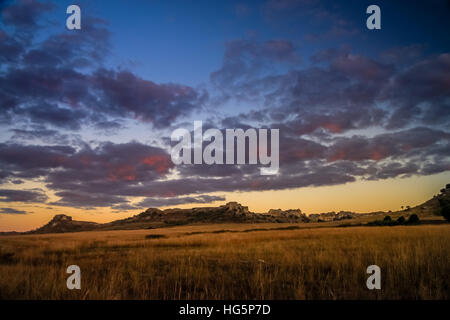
<point x="413" y="219"/>
<point x="401" y="220"/>
<point x="154" y="236"/>
<point x="445" y="209"/>
<point x="387" y="221"/>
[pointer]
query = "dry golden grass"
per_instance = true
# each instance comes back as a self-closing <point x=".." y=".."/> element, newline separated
<point x="307" y="263"/>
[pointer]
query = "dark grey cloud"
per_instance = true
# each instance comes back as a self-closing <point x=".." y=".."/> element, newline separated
<point x="44" y="135"/>
<point x="66" y="118"/>
<point x="11" y="211"/>
<point x="128" y="95"/>
<point x="80" y="199"/>
<point x="10" y="48"/>
<point x="303" y="162"/>
<point x="61" y="80"/>
<point x="421" y="93"/>
<point x="24" y="13"/>
<point x="124" y="207"/>
<point x="182" y="186"/>
<point x="343" y="91"/>
<point x="403" y="55"/>
<point x="327" y="18"/>
<point x="17" y="157"/>
<point x="109" y="174"/>
<point x="73" y="174"/>
<point x="246" y="60"/>
<point x="162" y="202"/>
<point x="398" y="144"/>
<point x="342" y="29"/>
<point x="33" y="195"/>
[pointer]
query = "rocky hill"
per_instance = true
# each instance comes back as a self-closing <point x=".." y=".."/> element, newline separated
<point x="62" y="223"/>
<point x="432" y="206"/>
<point x="331" y="216"/>
<point x="232" y="212"/>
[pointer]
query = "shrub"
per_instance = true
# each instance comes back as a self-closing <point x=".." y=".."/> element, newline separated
<point x="401" y="220"/>
<point x="445" y="209"/>
<point x="7" y="257"/>
<point x="387" y="221"/>
<point x="154" y="236"/>
<point x="413" y="219"/>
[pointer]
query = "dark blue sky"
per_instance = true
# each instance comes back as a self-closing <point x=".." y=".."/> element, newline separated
<point x="183" y="41"/>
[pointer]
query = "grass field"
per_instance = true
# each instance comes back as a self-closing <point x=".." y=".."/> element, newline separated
<point x="230" y="261"/>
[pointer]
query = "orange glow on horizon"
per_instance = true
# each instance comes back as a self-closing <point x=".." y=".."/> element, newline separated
<point x="359" y="196"/>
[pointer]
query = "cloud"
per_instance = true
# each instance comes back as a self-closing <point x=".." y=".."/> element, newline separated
<point x="24" y="14"/>
<point x="17" y="157"/>
<point x="247" y="60"/>
<point x="127" y="95"/>
<point x="124" y="207"/>
<point x="421" y="93"/>
<point x="398" y="144"/>
<point x="288" y="10"/>
<point x="80" y="199"/>
<point x="11" y="211"/>
<point x="74" y="174"/>
<point x="334" y="32"/>
<point x="60" y="80"/>
<point x="163" y="202"/>
<point x="329" y="19"/>
<point x="59" y="117"/>
<point x="10" y="48"/>
<point x="34" y="195"/>
<point x="303" y="162"/>
<point x="111" y="174"/>
<point x="98" y="177"/>
<point x="47" y="136"/>
<point x="402" y="55"/>
<point x="342" y="91"/>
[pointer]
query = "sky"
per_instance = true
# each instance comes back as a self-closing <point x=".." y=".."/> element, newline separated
<point x="86" y="115"/>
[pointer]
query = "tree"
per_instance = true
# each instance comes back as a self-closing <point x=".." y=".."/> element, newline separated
<point x="444" y="206"/>
<point x="413" y="219"/>
<point x="401" y="220"/>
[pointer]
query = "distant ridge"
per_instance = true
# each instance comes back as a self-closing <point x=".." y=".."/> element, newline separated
<point x="232" y="212"/>
<point x="63" y="223"/>
<point x="155" y="218"/>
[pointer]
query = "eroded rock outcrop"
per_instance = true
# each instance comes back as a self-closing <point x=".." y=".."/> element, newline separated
<point x="64" y="223"/>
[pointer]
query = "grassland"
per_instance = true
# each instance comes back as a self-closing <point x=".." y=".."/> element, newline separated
<point x="230" y="261"/>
